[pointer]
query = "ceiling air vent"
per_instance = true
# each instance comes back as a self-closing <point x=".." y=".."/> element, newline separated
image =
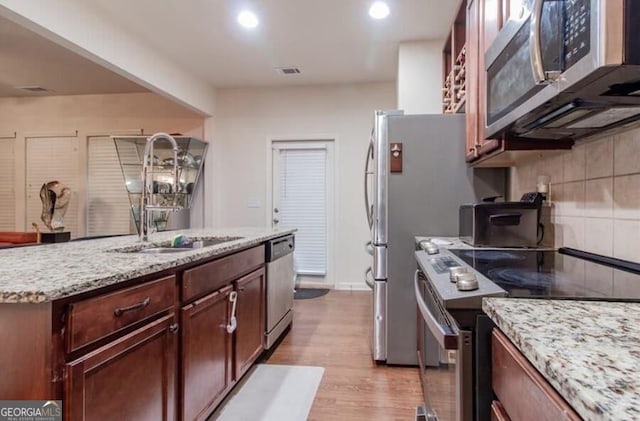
<point x="288" y="70"/>
<point x="32" y="88"/>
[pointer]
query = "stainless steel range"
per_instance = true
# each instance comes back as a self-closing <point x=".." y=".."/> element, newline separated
<point x="456" y="375"/>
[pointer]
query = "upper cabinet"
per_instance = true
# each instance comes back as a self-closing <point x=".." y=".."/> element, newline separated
<point x="483" y="21"/>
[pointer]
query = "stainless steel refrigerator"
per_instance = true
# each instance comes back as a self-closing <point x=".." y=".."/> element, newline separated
<point x="422" y="199"/>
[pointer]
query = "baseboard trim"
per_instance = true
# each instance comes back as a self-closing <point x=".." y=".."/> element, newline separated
<point x="356" y="286"/>
<point x="312" y="284"/>
<point x="359" y="286"/>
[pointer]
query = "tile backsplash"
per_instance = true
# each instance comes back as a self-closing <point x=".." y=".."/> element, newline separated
<point x="595" y="194"/>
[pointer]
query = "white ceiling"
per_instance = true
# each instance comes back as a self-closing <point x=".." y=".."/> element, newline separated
<point x="331" y="41"/>
<point x="27" y="59"/>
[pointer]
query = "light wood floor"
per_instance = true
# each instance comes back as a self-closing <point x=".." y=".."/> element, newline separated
<point x="334" y="332"/>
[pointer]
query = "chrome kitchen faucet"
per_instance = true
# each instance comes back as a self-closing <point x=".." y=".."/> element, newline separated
<point x="147" y="185"/>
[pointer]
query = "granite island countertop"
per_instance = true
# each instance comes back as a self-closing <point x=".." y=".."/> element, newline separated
<point x="48" y="272"/>
<point x="588" y="351"/>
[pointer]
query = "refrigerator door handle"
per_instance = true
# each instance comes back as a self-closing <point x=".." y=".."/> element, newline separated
<point x="368" y="279"/>
<point x="367" y="204"/>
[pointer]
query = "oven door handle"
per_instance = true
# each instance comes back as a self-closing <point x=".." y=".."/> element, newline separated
<point x="540" y="76"/>
<point x="447" y="338"/>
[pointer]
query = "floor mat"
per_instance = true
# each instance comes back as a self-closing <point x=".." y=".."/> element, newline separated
<point x="306" y="293"/>
<point x="273" y="393"/>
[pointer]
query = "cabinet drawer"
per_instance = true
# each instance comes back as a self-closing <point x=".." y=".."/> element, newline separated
<point x="521" y="389"/>
<point x="215" y="275"/>
<point x="95" y="318"/>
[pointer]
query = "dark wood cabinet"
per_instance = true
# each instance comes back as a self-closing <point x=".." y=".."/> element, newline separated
<point x="484" y="20"/>
<point x="206" y="354"/>
<point x="251" y="320"/>
<point x="213" y="357"/>
<point x="131" y="378"/>
<point x="473" y="57"/>
<point x="125" y="352"/>
<point x="522" y="391"/>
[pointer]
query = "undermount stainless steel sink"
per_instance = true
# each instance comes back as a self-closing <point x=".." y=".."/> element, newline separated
<point x="196" y="244"/>
<point x="161" y="250"/>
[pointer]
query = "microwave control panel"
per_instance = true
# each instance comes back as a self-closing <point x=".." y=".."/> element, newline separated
<point x="577" y="30"/>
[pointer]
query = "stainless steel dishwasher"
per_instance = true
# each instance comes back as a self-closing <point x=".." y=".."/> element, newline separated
<point x="280" y="286"/>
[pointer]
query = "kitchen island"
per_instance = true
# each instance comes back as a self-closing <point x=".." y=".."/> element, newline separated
<point x="50" y="272"/>
<point x="588" y="351"/>
<point x="118" y="333"/>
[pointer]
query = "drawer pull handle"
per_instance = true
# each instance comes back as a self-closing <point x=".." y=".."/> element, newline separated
<point x="120" y="311"/>
<point x="174" y="328"/>
<point x="233" y="321"/>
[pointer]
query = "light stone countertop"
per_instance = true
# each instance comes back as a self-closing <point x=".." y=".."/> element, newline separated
<point x="588" y="351"/>
<point x="48" y="272"/>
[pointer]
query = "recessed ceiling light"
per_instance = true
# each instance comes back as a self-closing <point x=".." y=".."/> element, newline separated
<point x="248" y="19"/>
<point x="379" y="10"/>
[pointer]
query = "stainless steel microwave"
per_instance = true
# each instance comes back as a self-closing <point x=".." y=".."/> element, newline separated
<point x="564" y="69"/>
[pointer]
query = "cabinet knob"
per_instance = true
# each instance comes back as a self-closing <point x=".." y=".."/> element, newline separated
<point x="174" y="328"/>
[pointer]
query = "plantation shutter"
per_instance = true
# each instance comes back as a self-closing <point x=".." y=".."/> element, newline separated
<point x="108" y="207"/>
<point x="49" y="159"/>
<point x="7" y="185"/>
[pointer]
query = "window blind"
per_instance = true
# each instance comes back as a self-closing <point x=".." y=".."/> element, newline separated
<point x="108" y="207"/>
<point x="7" y="185"/>
<point x="49" y="159"/>
<point x="303" y="205"/>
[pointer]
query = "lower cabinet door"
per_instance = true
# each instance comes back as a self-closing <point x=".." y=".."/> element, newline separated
<point x="251" y="320"/>
<point x="206" y="354"/>
<point x="131" y="378"/>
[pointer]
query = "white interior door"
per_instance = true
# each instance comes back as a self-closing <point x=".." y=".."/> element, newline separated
<point x="300" y="200"/>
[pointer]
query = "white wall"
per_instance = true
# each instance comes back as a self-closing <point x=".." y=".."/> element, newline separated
<point x="76" y="26"/>
<point x="247" y="118"/>
<point x="419" y="80"/>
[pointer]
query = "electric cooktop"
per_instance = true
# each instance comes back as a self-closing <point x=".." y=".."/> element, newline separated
<point x="566" y="273"/>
